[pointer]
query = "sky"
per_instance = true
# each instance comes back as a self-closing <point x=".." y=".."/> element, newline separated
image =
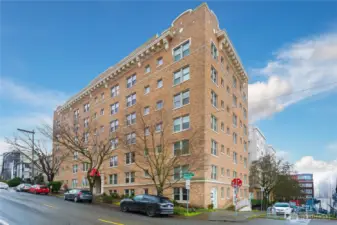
<point x="50" y="50"/>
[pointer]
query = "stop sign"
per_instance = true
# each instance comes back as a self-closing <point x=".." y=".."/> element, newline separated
<point x="236" y="182"/>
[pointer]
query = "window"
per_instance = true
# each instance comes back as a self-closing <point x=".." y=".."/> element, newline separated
<point x="244" y="146"/>
<point x="85" y="182"/>
<point x="130" y="119"/>
<point x="228" y="152"/>
<point x="114" y="108"/>
<point x="222" y="126"/>
<point x="222" y="192"/>
<point x="214" y="147"/>
<point x="101" y="112"/>
<point x="114" y="143"/>
<point x="147" y="69"/>
<point x="214" y="99"/>
<point x="74" y="183"/>
<point x="95" y="115"/>
<point x="159" y="105"/>
<point x="222" y="83"/>
<point x="85" y="166"/>
<point x="228" y="90"/>
<point x="180" y="194"/>
<point x="160" y="61"/>
<point x="75" y="155"/>
<point x="129" y="192"/>
<point x="129" y="158"/>
<point x="147" y="131"/>
<point x="114" y="161"/>
<point x="86" y="107"/>
<point x="240" y="105"/>
<point x="129" y="177"/>
<point x="235" y="120"/>
<point x="222" y="59"/>
<point x="214" y="123"/>
<point x="113" y="125"/>
<point x="76" y="114"/>
<point x="234" y="82"/>
<point x="179" y="171"/>
<point x="131" y="138"/>
<point x="234" y="174"/>
<point x="228" y="109"/>
<point x="245" y="129"/>
<point x="181" y="75"/>
<point x="245" y="179"/>
<point x="181" y="51"/>
<point x="86" y="137"/>
<point x="245" y="162"/>
<point x="240" y="123"/>
<point x="146" y="110"/>
<point x="131" y="100"/>
<point x="115" y="91"/>
<point x="214" y="172"/>
<point x="181" y="99"/>
<point x="228" y="192"/>
<point x="75" y="168"/>
<point x="146" y="90"/>
<point x="222" y="149"/>
<point x="158" y="149"/>
<point x="181" y="147"/>
<point x="214" y="51"/>
<point x="102" y="96"/>
<point x="235" y="137"/>
<point x="235" y="102"/>
<point x="131" y="81"/>
<point x="214" y="75"/>
<point x="146" y="173"/>
<point x="235" y="160"/>
<point x="181" y="123"/>
<point x="228" y="173"/>
<point x="228" y="131"/>
<point x="86" y="122"/>
<point x="222" y="171"/>
<point x="244" y="113"/>
<point x="113" y="179"/>
<point x="222" y="104"/>
<point x="159" y="83"/>
<point x="158" y="127"/>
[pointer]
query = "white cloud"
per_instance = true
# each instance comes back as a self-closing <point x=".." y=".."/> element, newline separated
<point x="306" y="64"/>
<point x="332" y="147"/>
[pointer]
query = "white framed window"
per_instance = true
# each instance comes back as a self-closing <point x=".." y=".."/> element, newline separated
<point x="147" y="69"/>
<point x="222" y="126"/>
<point x="179" y="171"/>
<point x="131" y="100"/>
<point x="244" y="113"/>
<point x="181" y="51"/>
<point x="74" y="183"/>
<point x="222" y="82"/>
<point x="222" y="171"/>
<point x="214" y="172"/>
<point x="245" y="146"/>
<point x="114" y="108"/>
<point x="214" y="51"/>
<point x="181" y="99"/>
<point x="129" y="158"/>
<point x="222" y="192"/>
<point x="131" y="119"/>
<point x="235" y="175"/>
<point x="181" y="147"/>
<point x="131" y="138"/>
<point x="75" y="168"/>
<point x="214" y="75"/>
<point x="222" y="104"/>
<point x="146" y="110"/>
<point x="101" y="112"/>
<point x="235" y="101"/>
<point x="181" y="75"/>
<point x="146" y="89"/>
<point x="214" y="123"/>
<point x="95" y="115"/>
<point x="228" y="173"/>
<point x="86" y="122"/>
<point x="245" y="129"/>
<point x="85" y="167"/>
<point x="181" y="123"/>
<point x="147" y="131"/>
<point x="235" y="120"/>
<point x="228" y="131"/>
<point x="159" y="127"/>
<point x="86" y="107"/>
<point x="102" y="96"/>
<point x="76" y="155"/>
<point x="115" y="91"/>
<point x="222" y="149"/>
<point x="159" y="83"/>
<point x="114" y="143"/>
<point x="245" y="162"/>
<point x="76" y="114"/>
<point x="129" y="192"/>
<point x="113" y="179"/>
<point x="86" y="137"/>
<point x="159" y="104"/>
<point x="235" y="138"/>
<point x="235" y="160"/>
<point x="234" y="82"/>
<point x="159" y="149"/>
<point x="214" y="99"/>
<point x="85" y="182"/>
<point x="129" y="177"/>
<point x="245" y="179"/>
<point x="131" y="81"/>
<point x="114" y="161"/>
<point x="214" y="147"/>
<point x="146" y="173"/>
<point x="180" y="194"/>
<point x="114" y="125"/>
<point x="160" y="61"/>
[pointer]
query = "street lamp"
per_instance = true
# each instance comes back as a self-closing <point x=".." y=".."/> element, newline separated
<point x="30" y="132"/>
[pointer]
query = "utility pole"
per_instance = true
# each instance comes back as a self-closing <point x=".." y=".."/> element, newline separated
<point x="31" y="132"/>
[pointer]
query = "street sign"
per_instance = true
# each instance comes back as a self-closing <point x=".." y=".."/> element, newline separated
<point x="236" y="182"/>
<point x="188" y="184"/>
<point x="188" y="175"/>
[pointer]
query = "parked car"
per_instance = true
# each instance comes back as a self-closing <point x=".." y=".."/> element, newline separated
<point x="149" y="204"/>
<point x="281" y="208"/>
<point x="78" y="195"/>
<point x="3" y="185"/>
<point x="23" y="187"/>
<point x="39" y="189"/>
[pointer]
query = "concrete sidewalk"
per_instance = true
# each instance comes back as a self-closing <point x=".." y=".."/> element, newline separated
<point x="230" y="216"/>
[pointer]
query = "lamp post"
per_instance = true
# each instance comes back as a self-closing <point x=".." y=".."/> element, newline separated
<point x="33" y="133"/>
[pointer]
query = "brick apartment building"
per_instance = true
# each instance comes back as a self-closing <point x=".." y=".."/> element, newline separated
<point x="306" y="182"/>
<point x="193" y="57"/>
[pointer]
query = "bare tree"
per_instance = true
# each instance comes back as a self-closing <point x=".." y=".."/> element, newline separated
<point x="157" y="152"/>
<point x="88" y="142"/>
<point x="44" y="161"/>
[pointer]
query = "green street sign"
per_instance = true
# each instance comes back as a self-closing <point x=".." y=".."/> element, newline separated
<point x="188" y="175"/>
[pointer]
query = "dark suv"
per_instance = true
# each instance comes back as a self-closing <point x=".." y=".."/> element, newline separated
<point x="150" y="204"/>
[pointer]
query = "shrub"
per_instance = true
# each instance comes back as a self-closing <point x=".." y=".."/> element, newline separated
<point x="14" y="182"/>
<point x="115" y="195"/>
<point x="210" y="206"/>
<point x="256" y="202"/>
<point x="231" y="208"/>
<point x="55" y="186"/>
<point x="107" y="199"/>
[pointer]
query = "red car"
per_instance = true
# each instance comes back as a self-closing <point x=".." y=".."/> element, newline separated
<point x="39" y="189"/>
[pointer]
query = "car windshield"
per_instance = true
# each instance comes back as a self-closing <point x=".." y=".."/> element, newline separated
<point x="282" y="205"/>
<point x="164" y="200"/>
<point x="43" y="186"/>
<point x="86" y="192"/>
<point x="28" y="185"/>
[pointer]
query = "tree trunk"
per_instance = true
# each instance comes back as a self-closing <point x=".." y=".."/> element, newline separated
<point x="160" y="190"/>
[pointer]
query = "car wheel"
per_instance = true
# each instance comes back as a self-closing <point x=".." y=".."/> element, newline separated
<point x="150" y="211"/>
<point x="90" y="201"/>
<point x="76" y="199"/>
<point x="124" y="208"/>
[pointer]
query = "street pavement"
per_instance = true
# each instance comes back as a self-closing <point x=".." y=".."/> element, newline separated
<point x="17" y="208"/>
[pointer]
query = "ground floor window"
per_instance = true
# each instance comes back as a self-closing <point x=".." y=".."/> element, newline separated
<point x="222" y="192"/>
<point x="146" y="191"/>
<point x="180" y="194"/>
<point x="129" y="192"/>
<point x="85" y="182"/>
<point x="74" y="183"/>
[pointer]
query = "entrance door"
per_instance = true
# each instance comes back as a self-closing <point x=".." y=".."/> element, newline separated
<point x="214" y="197"/>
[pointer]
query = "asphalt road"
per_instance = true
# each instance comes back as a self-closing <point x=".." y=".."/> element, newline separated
<point x="28" y="209"/>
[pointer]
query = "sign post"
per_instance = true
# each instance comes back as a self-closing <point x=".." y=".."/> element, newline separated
<point x="236" y="184"/>
<point x="187" y="177"/>
<point x="262" y="190"/>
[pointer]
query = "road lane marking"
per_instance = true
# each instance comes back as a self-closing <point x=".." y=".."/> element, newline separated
<point x="107" y="221"/>
<point x="50" y="206"/>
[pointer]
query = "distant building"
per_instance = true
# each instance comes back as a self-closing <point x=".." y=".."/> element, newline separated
<point x="257" y="144"/>
<point x="15" y="164"/>
<point x="270" y="150"/>
<point x="306" y="182"/>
